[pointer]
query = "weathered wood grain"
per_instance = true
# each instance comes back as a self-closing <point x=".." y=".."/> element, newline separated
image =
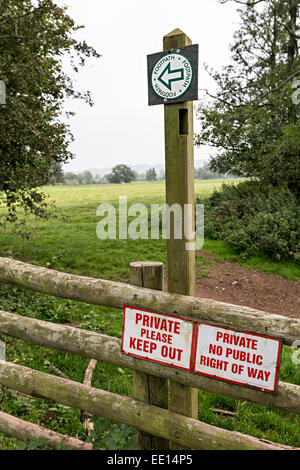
<point x="179" y="163"/>
<point x="23" y="430"/>
<point x="148" y="388"/>
<point x="108" y="349"/>
<point x="184" y="431"/>
<point x="116" y="294"/>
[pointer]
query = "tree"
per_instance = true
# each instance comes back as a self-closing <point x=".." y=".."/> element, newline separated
<point x="56" y="174"/>
<point x="162" y="175"/>
<point x="98" y="179"/>
<point x="34" y="36"/>
<point x="151" y="175"/>
<point x="86" y="177"/>
<point x="121" y="174"/>
<point x="252" y="120"/>
<point x="205" y="173"/>
<point x="71" y="178"/>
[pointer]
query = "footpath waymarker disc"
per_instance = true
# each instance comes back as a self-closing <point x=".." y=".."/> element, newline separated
<point x="173" y="76"/>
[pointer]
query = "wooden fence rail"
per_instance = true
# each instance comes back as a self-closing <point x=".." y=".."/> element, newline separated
<point x="148" y="418"/>
<point x="108" y="349"/>
<point x="23" y="430"/>
<point x="116" y="294"/>
<point x="167" y="425"/>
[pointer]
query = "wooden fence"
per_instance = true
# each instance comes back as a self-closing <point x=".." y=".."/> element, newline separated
<point x="147" y="418"/>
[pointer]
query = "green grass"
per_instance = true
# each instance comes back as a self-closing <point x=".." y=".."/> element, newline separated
<point x="69" y="243"/>
<point x="287" y="269"/>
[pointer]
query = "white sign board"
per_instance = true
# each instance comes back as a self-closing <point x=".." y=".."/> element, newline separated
<point x="238" y="357"/>
<point x="172" y="76"/>
<point x="156" y="337"/>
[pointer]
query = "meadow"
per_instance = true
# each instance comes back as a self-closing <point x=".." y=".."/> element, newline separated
<point x="68" y="242"/>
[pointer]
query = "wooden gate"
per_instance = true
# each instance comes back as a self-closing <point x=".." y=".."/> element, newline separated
<point x="150" y="419"/>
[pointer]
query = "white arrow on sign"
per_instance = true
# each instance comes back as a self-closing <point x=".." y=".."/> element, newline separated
<point x="168" y="76"/>
<point x="171" y="76"/>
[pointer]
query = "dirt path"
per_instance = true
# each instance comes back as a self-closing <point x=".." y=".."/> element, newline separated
<point x="234" y="284"/>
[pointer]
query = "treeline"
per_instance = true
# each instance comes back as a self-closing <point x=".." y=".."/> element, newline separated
<point x="121" y="174"/>
<point x="206" y="173"/>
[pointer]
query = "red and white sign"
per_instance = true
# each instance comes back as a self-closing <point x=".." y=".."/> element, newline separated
<point x="243" y="358"/>
<point x="156" y="337"/>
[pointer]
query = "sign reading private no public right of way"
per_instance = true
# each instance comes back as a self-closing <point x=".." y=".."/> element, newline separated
<point x="242" y="358"/>
<point x="173" y="75"/>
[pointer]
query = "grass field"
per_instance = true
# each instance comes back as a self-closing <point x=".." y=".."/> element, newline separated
<point x="69" y="243"/>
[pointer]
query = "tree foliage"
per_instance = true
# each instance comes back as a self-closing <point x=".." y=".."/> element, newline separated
<point x="252" y="120"/>
<point x="35" y="39"/>
<point x="121" y="174"/>
<point x="205" y="173"/>
<point x="255" y="218"/>
<point x="151" y="174"/>
<point x="56" y="175"/>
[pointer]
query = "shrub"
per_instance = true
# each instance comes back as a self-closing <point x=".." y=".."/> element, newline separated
<point x="254" y="218"/>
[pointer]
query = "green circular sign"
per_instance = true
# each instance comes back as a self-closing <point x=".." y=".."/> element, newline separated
<point x="172" y="76"/>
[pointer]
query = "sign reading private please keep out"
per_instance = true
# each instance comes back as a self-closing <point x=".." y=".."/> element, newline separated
<point x="241" y="358"/>
<point x="160" y="338"/>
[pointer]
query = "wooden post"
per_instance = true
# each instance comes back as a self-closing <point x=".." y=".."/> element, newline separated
<point x="147" y="388"/>
<point x="179" y="159"/>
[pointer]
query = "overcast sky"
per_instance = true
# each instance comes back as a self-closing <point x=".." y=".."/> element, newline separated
<point x="121" y="127"/>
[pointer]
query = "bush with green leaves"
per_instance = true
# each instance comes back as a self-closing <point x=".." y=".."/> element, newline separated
<point x="255" y="218"/>
<point x="40" y="443"/>
<point x="111" y="436"/>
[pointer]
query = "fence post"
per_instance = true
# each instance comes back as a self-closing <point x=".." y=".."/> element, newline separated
<point x="147" y="388"/>
<point x="179" y="157"/>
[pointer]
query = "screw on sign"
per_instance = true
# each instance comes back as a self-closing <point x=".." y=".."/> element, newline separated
<point x="238" y="357"/>
<point x="156" y="337"/>
<point x="242" y="358"/>
<point x="172" y="80"/>
<point x="173" y="75"/>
